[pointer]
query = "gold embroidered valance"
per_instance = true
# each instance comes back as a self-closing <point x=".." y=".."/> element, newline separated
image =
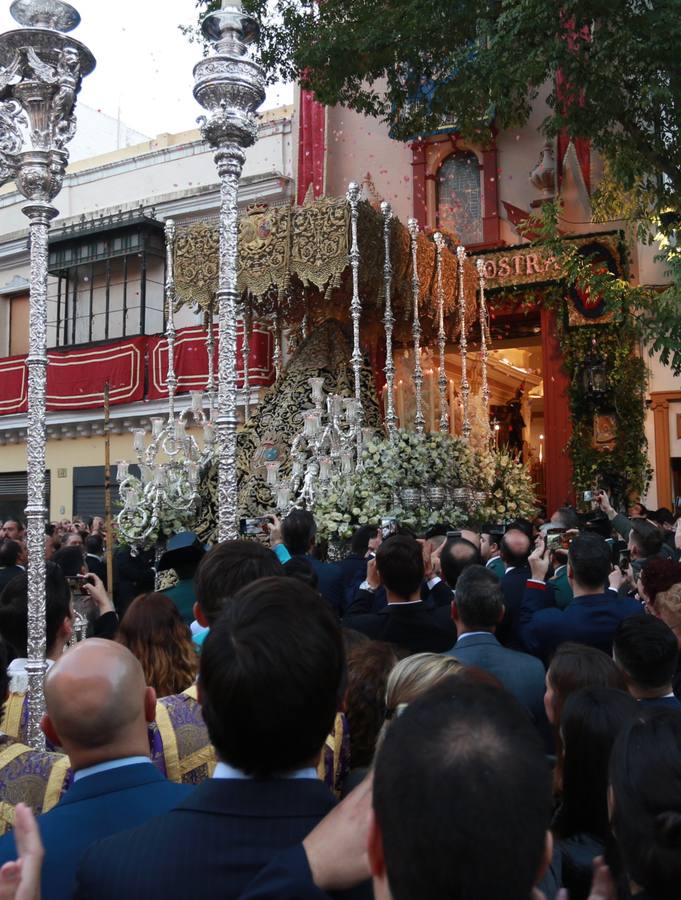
<point x="295" y="261"/>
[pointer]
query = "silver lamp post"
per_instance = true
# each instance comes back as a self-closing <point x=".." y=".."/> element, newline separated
<point x="41" y="69"/>
<point x="231" y="87"/>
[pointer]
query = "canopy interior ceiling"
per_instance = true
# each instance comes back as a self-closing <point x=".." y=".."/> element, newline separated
<point x="294" y="262"/>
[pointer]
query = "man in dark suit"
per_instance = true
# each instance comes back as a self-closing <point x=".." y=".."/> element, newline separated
<point x="459" y="772"/>
<point x="457" y="554"/>
<point x="593" y="615"/>
<point x="490" y="549"/>
<point x="477" y="609"/>
<point x="646" y="650"/>
<point x="12" y="561"/>
<point x="299" y="533"/>
<point x="354" y="566"/>
<point x="271" y="680"/>
<point x="133" y="575"/>
<point x="515" y="549"/>
<point x="94" y="552"/>
<point x="98" y="707"/>
<point x="407" y="620"/>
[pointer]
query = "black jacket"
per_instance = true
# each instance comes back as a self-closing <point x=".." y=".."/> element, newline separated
<point x="212" y="845"/>
<point x="418" y="627"/>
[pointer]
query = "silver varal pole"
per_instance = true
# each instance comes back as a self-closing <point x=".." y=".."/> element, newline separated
<point x="230" y="86"/>
<point x="41" y="69"/>
<point x="356" y="311"/>
<point x="388" y="322"/>
<point x="484" y="333"/>
<point x="210" y="350"/>
<point x="419" y="419"/>
<point x="465" y="386"/>
<point x="441" y="335"/>
<point x="246" y="358"/>
<point x="356" y="303"/>
<point x="171" y="379"/>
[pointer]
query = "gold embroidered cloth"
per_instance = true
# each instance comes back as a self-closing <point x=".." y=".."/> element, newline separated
<point x="293" y="261"/>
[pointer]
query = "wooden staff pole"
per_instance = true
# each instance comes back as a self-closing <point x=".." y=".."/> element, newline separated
<point x="107" y="493"/>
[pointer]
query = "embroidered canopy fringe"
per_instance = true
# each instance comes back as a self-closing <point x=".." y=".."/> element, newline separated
<point x="294" y="259"/>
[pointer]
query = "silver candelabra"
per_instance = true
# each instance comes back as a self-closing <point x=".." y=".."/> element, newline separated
<point x="330" y="443"/>
<point x="231" y="87"/>
<point x="41" y="69"/>
<point x="166" y="494"/>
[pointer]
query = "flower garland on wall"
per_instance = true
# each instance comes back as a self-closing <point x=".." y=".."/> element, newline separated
<point x="630" y="315"/>
<point x="622" y="464"/>
<point x="432" y="466"/>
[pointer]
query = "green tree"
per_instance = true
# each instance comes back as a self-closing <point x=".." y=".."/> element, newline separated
<point x="486" y="61"/>
<point x="412" y="63"/>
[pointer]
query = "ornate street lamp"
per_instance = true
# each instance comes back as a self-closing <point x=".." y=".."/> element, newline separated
<point x="231" y="87"/>
<point x="41" y="69"/>
<point x="594" y="374"/>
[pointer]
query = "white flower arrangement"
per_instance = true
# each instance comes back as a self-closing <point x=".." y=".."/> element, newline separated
<point x="419" y="462"/>
<point x="508" y="485"/>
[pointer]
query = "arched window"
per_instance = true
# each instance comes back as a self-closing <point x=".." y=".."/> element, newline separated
<point x="459" y="203"/>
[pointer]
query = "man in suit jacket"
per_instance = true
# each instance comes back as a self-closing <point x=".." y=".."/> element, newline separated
<point x="98" y="706"/>
<point x="477" y="609"/>
<point x="270" y="683"/>
<point x="490" y="549"/>
<point x="594" y="613"/>
<point x="354" y="566"/>
<point x="94" y="552"/>
<point x="299" y="533"/>
<point x="515" y="549"/>
<point x="646" y="650"/>
<point x="407" y="620"/>
<point x="12" y="561"/>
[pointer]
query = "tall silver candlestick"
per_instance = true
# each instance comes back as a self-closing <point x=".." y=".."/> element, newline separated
<point x="356" y="311"/>
<point x="356" y="303"/>
<point x="171" y="379"/>
<point x="465" y="387"/>
<point x="246" y="356"/>
<point x="41" y="70"/>
<point x="388" y="322"/>
<point x="484" y="332"/>
<point x="231" y="87"/>
<point x="277" y="360"/>
<point x="441" y="334"/>
<point x="210" y="350"/>
<point x="419" y="419"/>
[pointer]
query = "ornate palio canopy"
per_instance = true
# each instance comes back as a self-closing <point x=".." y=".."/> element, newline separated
<point x="294" y="260"/>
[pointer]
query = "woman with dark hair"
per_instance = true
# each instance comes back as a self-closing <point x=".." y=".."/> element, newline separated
<point x="576" y="666"/>
<point x="153" y="630"/>
<point x="645" y="781"/>
<point x="658" y="575"/>
<point x="591" y="720"/>
<point x="369" y="665"/>
<point x="573" y="667"/>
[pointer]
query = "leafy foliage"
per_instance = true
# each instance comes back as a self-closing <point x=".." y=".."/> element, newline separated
<point x="609" y="70"/>
<point x="639" y="314"/>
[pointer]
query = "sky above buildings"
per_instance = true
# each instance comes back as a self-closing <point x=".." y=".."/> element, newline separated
<point x="144" y="62"/>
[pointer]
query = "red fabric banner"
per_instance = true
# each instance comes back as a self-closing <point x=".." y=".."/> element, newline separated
<point x="191" y="360"/>
<point x="76" y="378"/>
<point x="13" y="385"/>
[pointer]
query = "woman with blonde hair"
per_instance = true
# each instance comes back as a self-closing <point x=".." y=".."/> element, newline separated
<point x="153" y="630"/>
<point x="411" y="677"/>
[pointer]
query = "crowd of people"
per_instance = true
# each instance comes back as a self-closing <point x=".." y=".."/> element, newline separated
<point x="479" y="713"/>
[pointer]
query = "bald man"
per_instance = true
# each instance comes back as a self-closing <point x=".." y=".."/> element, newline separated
<point x="98" y="708"/>
<point x="515" y="550"/>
